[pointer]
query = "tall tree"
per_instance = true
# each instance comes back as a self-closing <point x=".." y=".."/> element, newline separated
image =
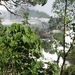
<point x="65" y="10"/>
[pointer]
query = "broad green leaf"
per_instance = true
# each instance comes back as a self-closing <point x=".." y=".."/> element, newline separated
<point x="13" y="43"/>
<point x="18" y="35"/>
<point x="25" y="39"/>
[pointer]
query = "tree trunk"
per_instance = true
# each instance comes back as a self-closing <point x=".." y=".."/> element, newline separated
<point x="64" y="58"/>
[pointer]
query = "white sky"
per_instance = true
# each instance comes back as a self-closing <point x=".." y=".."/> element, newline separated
<point x="46" y="8"/>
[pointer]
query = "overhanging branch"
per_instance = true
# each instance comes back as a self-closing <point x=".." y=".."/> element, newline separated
<point x="9" y="10"/>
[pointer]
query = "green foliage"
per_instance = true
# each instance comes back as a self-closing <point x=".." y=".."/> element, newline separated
<point x="53" y="69"/>
<point x="53" y="51"/>
<point x="71" y="56"/>
<point x="70" y="70"/>
<point x="19" y="49"/>
<point x="46" y="45"/>
<point x="0" y="21"/>
<point x="55" y="23"/>
<point x="26" y="15"/>
<point x="34" y="2"/>
<point x="59" y="37"/>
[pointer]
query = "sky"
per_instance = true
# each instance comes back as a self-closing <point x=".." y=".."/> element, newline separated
<point x="46" y="8"/>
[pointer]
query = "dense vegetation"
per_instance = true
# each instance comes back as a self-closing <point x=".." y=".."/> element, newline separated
<point x="19" y="49"/>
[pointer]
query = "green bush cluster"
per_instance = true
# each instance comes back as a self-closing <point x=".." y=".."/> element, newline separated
<point x="19" y="49"/>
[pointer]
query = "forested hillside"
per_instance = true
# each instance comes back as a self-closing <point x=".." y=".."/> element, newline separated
<point x="33" y="13"/>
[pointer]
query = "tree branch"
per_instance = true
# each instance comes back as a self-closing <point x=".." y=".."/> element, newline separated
<point x="9" y="10"/>
<point x="71" y="47"/>
<point x="64" y="58"/>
